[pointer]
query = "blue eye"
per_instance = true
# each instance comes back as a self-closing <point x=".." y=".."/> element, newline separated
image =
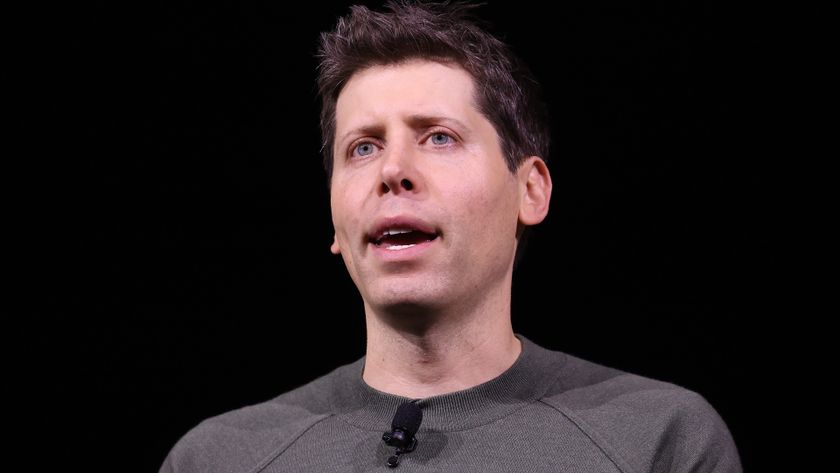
<point x="440" y="139"/>
<point x="363" y="149"/>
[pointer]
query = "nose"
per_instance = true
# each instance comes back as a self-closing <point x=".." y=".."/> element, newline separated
<point x="399" y="171"/>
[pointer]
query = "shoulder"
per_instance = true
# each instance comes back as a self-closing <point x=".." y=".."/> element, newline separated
<point x="643" y="423"/>
<point x="242" y="439"/>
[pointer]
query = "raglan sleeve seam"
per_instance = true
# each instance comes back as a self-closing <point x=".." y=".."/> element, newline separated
<point x="274" y="455"/>
<point x="593" y="436"/>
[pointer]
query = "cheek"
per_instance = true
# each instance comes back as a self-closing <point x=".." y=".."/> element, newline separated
<point x="345" y="214"/>
<point x="492" y="213"/>
<point x="338" y="206"/>
<point x="484" y="198"/>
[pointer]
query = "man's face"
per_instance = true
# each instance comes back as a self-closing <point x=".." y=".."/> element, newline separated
<point x="424" y="207"/>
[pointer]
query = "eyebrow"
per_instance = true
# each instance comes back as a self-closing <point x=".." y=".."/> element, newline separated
<point x="362" y="130"/>
<point x="417" y="121"/>
<point x="414" y="121"/>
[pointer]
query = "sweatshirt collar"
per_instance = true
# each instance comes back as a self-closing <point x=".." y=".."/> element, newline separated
<point x="530" y="376"/>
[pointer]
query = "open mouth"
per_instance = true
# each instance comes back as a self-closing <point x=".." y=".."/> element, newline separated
<point x="400" y="239"/>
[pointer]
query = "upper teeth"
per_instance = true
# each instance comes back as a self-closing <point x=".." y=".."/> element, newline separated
<point x="395" y="231"/>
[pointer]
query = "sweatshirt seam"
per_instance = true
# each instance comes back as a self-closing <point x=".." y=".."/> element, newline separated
<point x="590" y="433"/>
<point x="523" y="404"/>
<point x="344" y="417"/>
<point x="271" y="457"/>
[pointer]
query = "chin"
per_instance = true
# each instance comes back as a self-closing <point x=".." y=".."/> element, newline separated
<point x="408" y="300"/>
<point x="408" y="316"/>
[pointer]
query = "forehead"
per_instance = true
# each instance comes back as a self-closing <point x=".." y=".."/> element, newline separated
<point x="410" y="88"/>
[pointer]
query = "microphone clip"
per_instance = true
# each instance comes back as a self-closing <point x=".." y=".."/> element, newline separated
<point x="404" y="443"/>
<point x="405" y="424"/>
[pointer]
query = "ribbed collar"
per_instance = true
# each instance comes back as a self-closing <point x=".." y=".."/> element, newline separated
<point x="533" y="372"/>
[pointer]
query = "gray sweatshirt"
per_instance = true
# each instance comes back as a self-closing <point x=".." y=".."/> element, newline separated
<point x="549" y="412"/>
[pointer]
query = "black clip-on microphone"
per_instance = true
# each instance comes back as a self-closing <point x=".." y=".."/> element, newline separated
<point x="405" y="424"/>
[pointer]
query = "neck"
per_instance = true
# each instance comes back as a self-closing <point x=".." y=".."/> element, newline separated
<point x="455" y="349"/>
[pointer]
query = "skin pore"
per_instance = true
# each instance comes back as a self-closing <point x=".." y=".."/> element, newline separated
<point x="412" y="152"/>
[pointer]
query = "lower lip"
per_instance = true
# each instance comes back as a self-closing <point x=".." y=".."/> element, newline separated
<point x="403" y="254"/>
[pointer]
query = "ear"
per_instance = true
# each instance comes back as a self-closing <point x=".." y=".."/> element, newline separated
<point x="334" y="248"/>
<point x="535" y="188"/>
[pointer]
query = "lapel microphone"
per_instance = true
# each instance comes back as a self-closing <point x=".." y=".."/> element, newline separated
<point x="405" y="424"/>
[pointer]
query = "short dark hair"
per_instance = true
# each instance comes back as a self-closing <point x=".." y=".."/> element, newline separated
<point x="506" y="92"/>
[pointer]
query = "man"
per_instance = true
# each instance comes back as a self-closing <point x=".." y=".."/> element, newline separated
<point x="434" y="144"/>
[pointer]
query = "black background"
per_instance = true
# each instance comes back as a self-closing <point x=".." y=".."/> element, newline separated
<point x="181" y="244"/>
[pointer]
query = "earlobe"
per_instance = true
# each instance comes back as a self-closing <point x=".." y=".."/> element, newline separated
<point x="536" y="191"/>
<point x="334" y="248"/>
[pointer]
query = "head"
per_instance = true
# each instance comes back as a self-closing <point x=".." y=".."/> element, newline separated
<point x="509" y="96"/>
<point x="430" y="125"/>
